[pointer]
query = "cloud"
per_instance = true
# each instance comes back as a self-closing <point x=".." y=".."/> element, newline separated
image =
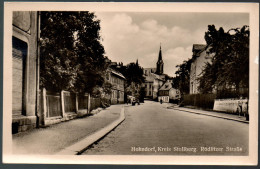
<point x="127" y="37"/>
<point x="176" y="56"/>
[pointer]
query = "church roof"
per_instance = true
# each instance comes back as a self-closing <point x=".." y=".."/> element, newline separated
<point x="166" y="86"/>
<point x="154" y="76"/>
<point x="160" y="55"/>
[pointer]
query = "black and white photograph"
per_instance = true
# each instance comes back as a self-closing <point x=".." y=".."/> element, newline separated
<point x="131" y="83"/>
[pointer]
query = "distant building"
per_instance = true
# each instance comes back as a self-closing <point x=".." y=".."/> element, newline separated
<point x="167" y="93"/>
<point x="24" y="73"/>
<point x="154" y="78"/>
<point x="117" y="80"/>
<point x="157" y="83"/>
<point x="199" y="59"/>
<point x="149" y="71"/>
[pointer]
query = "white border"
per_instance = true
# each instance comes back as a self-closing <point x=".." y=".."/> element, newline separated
<point x="251" y="8"/>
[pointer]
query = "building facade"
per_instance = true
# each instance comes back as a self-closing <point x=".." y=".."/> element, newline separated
<point x="117" y="91"/>
<point x="167" y="93"/>
<point x="157" y="83"/>
<point x="154" y="78"/>
<point x="24" y="70"/>
<point x="199" y="59"/>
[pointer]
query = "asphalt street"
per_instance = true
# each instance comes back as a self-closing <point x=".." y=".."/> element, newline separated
<point x="152" y="129"/>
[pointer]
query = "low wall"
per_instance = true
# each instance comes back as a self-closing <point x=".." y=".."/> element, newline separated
<point x="231" y="105"/>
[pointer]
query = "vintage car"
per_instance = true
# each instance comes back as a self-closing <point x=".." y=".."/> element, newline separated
<point x="132" y="100"/>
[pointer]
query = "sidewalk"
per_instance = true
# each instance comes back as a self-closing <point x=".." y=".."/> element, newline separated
<point x="55" y="138"/>
<point x="223" y="115"/>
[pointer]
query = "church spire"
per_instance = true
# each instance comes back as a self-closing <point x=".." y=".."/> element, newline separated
<point x="159" y="68"/>
<point x="160" y="54"/>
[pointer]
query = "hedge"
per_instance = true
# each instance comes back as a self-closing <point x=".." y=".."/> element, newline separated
<point x="199" y="100"/>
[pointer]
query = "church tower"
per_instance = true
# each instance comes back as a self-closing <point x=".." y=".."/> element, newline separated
<point x="159" y="68"/>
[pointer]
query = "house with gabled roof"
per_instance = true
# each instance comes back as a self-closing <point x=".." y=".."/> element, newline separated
<point x="200" y="58"/>
<point x="167" y="93"/>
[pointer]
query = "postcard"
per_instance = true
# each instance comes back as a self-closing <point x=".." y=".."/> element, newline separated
<point x="130" y="83"/>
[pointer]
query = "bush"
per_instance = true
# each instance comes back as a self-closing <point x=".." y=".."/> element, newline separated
<point x="227" y="94"/>
<point x="105" y="102"/>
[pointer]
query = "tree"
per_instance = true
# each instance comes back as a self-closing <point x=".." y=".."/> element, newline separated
<point x="134" y="73"/>
<point x="134" y="79"/>
<point x="230" y="61"/>
<point x="182" y="79"/>
<point x="72" y="57"/>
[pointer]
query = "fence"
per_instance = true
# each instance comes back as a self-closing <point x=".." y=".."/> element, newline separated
<point x="69" y="102"/>
<point x="53" y="104"/>
<point x="54" y="107"/>
<point x="83" y="102"/>
<point x="95" y="103"/>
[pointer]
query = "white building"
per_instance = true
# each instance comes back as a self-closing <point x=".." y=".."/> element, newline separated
<point x="167" y="93"/>
<point x="199" y="59"/>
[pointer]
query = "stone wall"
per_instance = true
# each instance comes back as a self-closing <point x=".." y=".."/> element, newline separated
<point x="231" y="105"/>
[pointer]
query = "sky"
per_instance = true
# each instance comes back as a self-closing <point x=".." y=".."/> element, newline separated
<point x="128" y="36"/>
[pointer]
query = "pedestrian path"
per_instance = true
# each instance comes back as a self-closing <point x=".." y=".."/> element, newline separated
<point x="212" y="113"/>
<point x="55" y="138"/>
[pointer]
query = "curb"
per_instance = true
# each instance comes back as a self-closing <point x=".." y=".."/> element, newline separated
<point x="222" y="117"/>
<point x="82" y="145"/>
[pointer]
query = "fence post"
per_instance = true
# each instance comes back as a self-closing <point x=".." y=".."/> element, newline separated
<point x="44" y="106"/>
<point x="89" y="103"/>
<point x="62" y="103"/>
<point x="77" y="103"/>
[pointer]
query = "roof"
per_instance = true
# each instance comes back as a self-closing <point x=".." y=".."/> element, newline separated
<point x="149" y="78"/>
<point x="166" y="86"/>
<point x="160" y="77"/>
<point x="118" y="74"/>
<point x="154" y="76"/>
<point x="150" y="68"/>
<point x="160" y="55"/>
<point x="198" y="47"/>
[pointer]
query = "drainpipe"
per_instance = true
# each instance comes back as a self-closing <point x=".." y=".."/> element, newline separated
<point x="38" y="111"/>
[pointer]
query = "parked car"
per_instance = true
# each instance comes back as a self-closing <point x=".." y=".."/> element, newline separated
<point x="135" y="101"/>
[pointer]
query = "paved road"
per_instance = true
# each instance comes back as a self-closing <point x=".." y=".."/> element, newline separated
<point x="54" y="138"/>
<point x="151" y="129"/>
